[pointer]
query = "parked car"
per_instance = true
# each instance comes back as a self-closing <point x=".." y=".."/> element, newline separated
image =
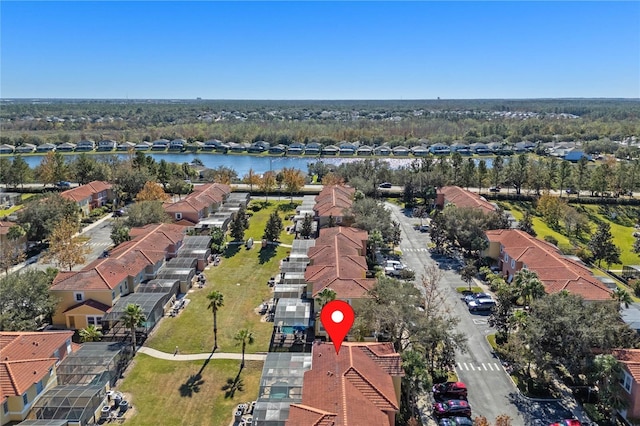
<point x="450" y="390"/>
<point x="571" y="191"/>
<point x="393" y="268"/>
<point x="385" y="185"/>
<point x="481" y="304"/>
<point x="471" y="297"/>
<point x="452" y="408"/>
<point x="63" y="184"/>
<point x="494" y="189"/>
<point x="567" y="422"/>
<point x="118" y="213"/>
<point x="456" y="421"/>
<point x="424" y="228"/>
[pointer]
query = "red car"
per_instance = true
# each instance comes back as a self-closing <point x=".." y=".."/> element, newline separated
<point x="450" y="390"/>
<point x="451" y="408"/>
<point x="567" y="422"/>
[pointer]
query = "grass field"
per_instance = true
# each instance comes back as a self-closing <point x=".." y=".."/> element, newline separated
<point x="187" y="393"/>
<point x="242" y="279"/>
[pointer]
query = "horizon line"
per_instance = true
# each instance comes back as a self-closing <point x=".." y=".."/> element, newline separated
<point x="322" y="100"/>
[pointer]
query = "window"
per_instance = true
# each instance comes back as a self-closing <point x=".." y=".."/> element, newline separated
<point x="506" y="258"/>
<point x="94" y="320"/>
<point x="25" y="398"/>
<point x="178" y="216"/>
<point x="626" y="381"/>
<point x="69" y="346"/>
<point x="79" y="296"/>
<point x="513" y="263"/>
<point x="113" y="295"/>
<point x="339" y="219"/>
<point x="39" y="387"/>
<point x="5" y="407"/>
<point x="501" y="248"/>
<point x="56" y="354"/>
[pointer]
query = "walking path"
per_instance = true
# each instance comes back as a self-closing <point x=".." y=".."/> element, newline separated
<point x="194" y="357"/>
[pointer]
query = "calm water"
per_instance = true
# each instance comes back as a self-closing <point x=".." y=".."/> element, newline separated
<point x="242" y="163"/>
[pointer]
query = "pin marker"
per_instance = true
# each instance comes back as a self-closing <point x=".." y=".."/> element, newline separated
<point x="337" y="318"/>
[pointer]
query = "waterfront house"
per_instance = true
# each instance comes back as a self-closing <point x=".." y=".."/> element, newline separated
<point x="66" y="147"/>
<point x="86" y="145"/>
<point x="364" y="150"/>
<point x="177" y="145"/>
<point x="46" y="147"/>
<point x="25" y="148"/>
<point x="106" y="145"/>
<point x="160" y="145"/>
<point x="126" y="146"/>
<point x="7" y="149"/>
<point x="143" y="146"/>
<point x="313" y="148"/>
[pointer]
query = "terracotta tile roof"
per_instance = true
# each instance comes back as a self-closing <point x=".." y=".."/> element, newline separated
<point x="334" y="200"/>
<point x="149" y="246"/>
<point x="343" y="389"/>
<point x="25" y="358"/>
<point x="463" y="198"/>
<point x="203" y="196"/>
<point x="556" y="272"/>
<point x="631" y="359"/>
<point x="83" y="192"/>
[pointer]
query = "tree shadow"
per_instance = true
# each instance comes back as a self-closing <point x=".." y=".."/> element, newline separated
<point x="267" y="253"/>
<point x="233" y="385"/>
<point x="195" y="381"/>
<point x="290" y="206"/>
<point x="231" y="250"/>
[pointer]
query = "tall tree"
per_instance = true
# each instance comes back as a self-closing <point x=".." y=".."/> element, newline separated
<point x="602" y="247"/>
<point x="216" y="301"/>
<point x="238" y="226"/>
<point x="26" y="301"/>
<point x="52" y="168"/>
<point x="582" y="173"/>
<point x="324" y="297"/>
<point x="273" y="227"/>
<point x="267" y="183"/>
<point x="20" y="173"/>
<point x="481" y="174"/>
<point x="564" y="174"/>
<point x="243" y="338"/>
<point x="293" y="180"/>
<point x="145" y="212"/>
<point x="607" y="371"/>
<point x="497" y="170"/>
<point x="251" y="178"/>
<point x="528" y="286"/>
<point x="152" y="192"/>
<point x="119" y="232"/>
<point x="40" y="217"/>
<point x="526" y="224"/>
<point x="468" y="172"/>
<point x="66" y="250"/>
<point x="517" y="171"/>
<point x="469" y="272"/>
<point x="307" y="226"/>
<point x="132" y="318"/>
<point x="622" y="297"/>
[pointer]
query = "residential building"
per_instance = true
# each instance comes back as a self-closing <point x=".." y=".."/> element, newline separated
<point x="46" y="147"/>
<point x="160" y="145"/>
<point x="630" y="381"/>
<point x="142" y="146"/>
<point x="401" y="151"/>
<point x="360" y="382"/>
<point x="258" y="147"/>
<point x="86" y="296"/>
<point x="25" y="148"/>
<point x="364" y="150"/>
<point x="333" y="204"/>
<point x="462" y="198"/>
<point x="85" y="145"/>
<point x="440" y="149"/>
<point x="126" y="146"/>
<point x="203" y="201"/>
<point x="277" y="149"/>
<point x="313" y="148"/>
<point x="177" y="145"/>
<point x="7" y="149"/>
<point x="330" y="150"/>
<point x="296" y="148"/>
<point x="515" y="250"/>
<point x="347" y="148"/>
<point x="66" y="147"/>
<point x="90" y="196"/>
<point x="28" y="362"/>
<point x="382" y="151"/>
<point x="106" y="145"/>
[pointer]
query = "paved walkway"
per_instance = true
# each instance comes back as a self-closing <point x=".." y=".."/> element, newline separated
<point x="194" y="357"/>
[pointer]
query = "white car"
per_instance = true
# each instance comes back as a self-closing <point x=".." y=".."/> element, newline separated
<point x="393" y="268"/>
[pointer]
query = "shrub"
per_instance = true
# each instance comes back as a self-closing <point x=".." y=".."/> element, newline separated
<point x="551" y="240"/>
<point x="584" y="255"/>
<point x="635" y="285"/>
<point x="407" y="274"/>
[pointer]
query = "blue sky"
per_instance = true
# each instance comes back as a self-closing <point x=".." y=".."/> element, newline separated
<point x="319" y="50"/>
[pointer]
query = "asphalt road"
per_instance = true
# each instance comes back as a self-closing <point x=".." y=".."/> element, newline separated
<point x="491" y="391"/>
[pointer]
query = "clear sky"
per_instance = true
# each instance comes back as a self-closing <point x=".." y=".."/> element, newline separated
<point x="319" y="50"/>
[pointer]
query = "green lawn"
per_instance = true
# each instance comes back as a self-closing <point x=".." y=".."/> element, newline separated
<point x="242" y="278"/>
<point x="172" y="393"/>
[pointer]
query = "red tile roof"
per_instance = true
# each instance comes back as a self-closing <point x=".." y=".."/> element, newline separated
<point x="462" y="198"/>
<point x="334" y="200"/>
<point x="26" y="357"/>
<point x="343" y="389"/>
<point x="5" y="225"/>
<point x="203" y="196"/>
<point x="631" y="359"/>
<point x="83" y="192"/>
<point x="556" y="272"/>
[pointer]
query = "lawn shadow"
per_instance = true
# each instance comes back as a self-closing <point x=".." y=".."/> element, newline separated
<point x="267" y="253"/>
<point x="290" y="206"/>
<point x="233" y="385"/>
<point x="195" y="381"/>
<point x="231" y="250"/>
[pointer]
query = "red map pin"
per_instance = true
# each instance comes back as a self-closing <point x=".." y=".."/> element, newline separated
<point x="337" y="318"/>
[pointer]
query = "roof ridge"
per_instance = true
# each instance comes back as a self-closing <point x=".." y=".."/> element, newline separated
<point x="370" y="385"/>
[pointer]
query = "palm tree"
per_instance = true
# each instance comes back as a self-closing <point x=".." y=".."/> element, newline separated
<point x="325" y="296"/>
<point x="132" y="318"/>
<point x="216" y="301"/>
<point x="622" y="297"/>
<point x="607" y="371"/>
<point x="528" y="285"/>
<point x="243" y="337"/>
<point x="90" y="334"/>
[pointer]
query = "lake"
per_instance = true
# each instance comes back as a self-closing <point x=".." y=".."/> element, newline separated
<point x="242" y="163"/>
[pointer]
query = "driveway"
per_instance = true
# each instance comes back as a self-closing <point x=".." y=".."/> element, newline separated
<point x="491" y="391"/>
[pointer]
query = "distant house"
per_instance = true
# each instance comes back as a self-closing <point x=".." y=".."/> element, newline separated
<point x="277" y="149"/>
<point x="401" y="151"/>
<point x="203" y="201"/>
<point x="90" y="196"/>
<point x="106" y="145"/>
<point x="420" y="151"/>
<point x="28" y="362"/>
<point x="258" y="147"/>
<point x="575" y="156"/>
<point x="46" y="147"/>
<point x="223" y="148"/>
<point x="160" y="145"/>
<point x="25" y="148"/>
<point x="495" y="147"/>
<point x="66" y="147"/>
<point x="142" y="146"/>
<point x="211" y="144"/>
<point x="7" y="149"/>
<point x="238" y="147"/>
<point x="440" y="149"/>
<point x="348" y="148"/>
<point x="177" y="145"/>
<point x="629" y="381"/>
<point x="382" y="151"/>
<point x="460" y="147"/>
<point x="86" y="145"/>
<point x="479" y="148"/>
<point x="330" y="150"/>
<point x="296" y="148"/>
<point x="313" y="148"/>
<point x="126" y="146"/>
<point x="364" y="150"/>
<point x="525" y="146"/>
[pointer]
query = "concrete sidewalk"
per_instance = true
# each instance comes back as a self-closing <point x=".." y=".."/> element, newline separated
<point x="194" y="357"/>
